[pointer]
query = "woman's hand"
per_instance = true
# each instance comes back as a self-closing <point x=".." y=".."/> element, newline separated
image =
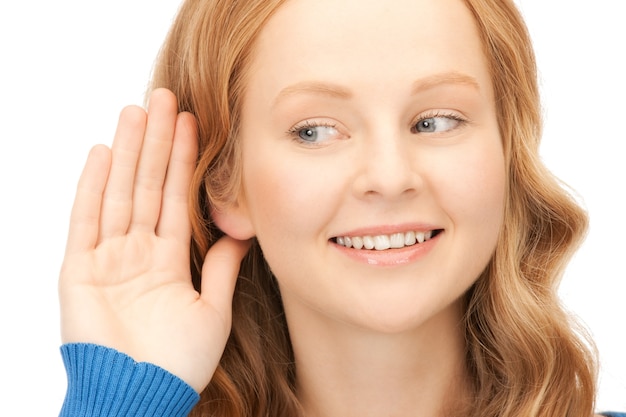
<point x="125" y="281"/>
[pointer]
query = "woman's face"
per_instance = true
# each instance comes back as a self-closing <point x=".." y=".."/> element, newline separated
<point x="373" y="169"/>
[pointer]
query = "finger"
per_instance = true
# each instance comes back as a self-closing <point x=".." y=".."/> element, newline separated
<point x="220" y="271"/>
<point x="153" y="161"/>
<point x="174" y="220"/>
<point x="118" y="195"/>
<point x="85" y="217"/>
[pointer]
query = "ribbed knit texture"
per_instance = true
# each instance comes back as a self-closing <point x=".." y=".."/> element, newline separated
<point x="105" y="382"/>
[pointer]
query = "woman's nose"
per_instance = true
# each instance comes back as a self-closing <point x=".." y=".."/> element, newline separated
<point x="388" y="169"/>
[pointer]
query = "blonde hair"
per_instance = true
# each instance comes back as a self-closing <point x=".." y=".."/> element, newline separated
<point x="528" y="356"/>
<point x="524" y="354"/>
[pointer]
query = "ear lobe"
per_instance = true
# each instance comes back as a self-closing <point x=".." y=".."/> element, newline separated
<point x="234" y="221"/>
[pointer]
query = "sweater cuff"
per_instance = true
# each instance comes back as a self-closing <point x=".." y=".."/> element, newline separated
<point x="105" y="382"/>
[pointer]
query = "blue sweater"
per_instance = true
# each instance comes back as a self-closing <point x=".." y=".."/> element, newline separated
<point x="103" y="382"/>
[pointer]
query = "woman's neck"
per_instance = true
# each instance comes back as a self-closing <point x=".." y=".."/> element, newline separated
<point x="345" y="371"/>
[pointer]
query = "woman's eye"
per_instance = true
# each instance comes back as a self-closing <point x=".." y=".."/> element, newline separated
<point x="315" y="134"/>
<point x="436" y="124"/>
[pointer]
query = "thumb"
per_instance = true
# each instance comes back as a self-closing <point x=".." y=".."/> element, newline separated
<point x="220" y="271"/>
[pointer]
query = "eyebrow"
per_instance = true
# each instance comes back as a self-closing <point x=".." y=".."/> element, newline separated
<point x="436" y="80"/>
<point x="337" y="91"/>
<point x="314" y="87"/>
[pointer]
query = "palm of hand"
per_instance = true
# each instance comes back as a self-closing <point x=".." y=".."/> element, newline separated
<point x="125" y="281"/>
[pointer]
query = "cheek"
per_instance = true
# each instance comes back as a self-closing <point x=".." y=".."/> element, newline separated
<point x="269" y="195"/>
<point x="289" y="205"/>
<point x="473" y="188"/>
<point x="287" y="197"/>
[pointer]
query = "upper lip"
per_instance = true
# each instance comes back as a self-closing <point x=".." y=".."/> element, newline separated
<point x="389" y="229"/>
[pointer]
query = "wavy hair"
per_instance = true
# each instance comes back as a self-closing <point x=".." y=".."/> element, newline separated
<point x="525" y="354"/>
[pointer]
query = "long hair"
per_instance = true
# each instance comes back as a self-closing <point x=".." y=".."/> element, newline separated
<point x="524" y="355"/>
<point x="528" y="357"/>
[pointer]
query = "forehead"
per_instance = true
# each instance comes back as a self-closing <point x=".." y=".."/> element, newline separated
<point x="359" y="43"/>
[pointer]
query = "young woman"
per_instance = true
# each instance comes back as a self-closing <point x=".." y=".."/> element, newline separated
<point x="370" y="226"/>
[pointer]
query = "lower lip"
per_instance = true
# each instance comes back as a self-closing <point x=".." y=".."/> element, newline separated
<point x="390" y="257"/>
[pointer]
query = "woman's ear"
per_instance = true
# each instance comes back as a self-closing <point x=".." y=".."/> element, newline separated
<point x="234" y="221"/>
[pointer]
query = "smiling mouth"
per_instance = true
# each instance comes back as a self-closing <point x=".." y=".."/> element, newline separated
<point x="384" y="242"/>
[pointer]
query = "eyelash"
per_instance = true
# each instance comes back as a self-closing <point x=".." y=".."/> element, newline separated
<point x="439" y="114"/>
<point x="307" y="124"/>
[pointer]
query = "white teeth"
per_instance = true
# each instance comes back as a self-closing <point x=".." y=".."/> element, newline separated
<point x="409" y="239"/>
<point x="384" y="242"/>
<point x="397" y="240"/>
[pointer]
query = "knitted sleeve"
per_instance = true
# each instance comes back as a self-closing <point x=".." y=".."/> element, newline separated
<point x="105" y="382"/>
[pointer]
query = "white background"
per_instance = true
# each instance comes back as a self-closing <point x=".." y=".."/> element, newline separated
<point x="68" y="67"/>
